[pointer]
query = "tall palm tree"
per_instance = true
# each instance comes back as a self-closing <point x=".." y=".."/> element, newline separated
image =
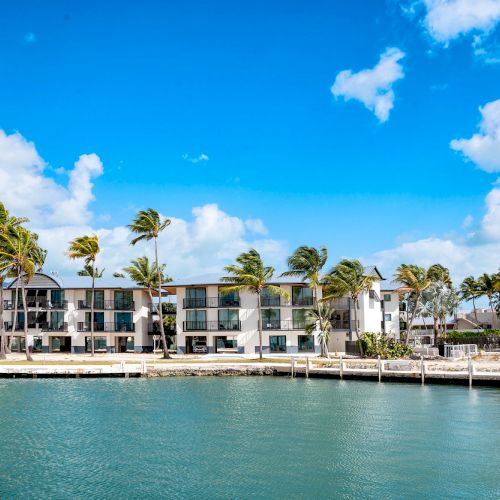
<point x="87" y="248"/>
<point x="322" y="316"/>
<point x="470" y="290"/>
<point x="144" y="274"/>
<point x="148" y="225"/>
<point x="250" y="274"/>
<point x="19" y="254"/>
<point x="348" y="277"/>
<point x="3" y="336"/>
<point x="415" y="280"/>
<point x="488" y="286"/>
<point x="437" y="273"/>
<point x="89" y="271"/>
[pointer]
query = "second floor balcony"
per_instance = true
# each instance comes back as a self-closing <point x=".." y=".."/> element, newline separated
<point x="54" y="327"/>
<point x="36" y="303"/>
<point x="221" y="326"/>
<point x="204" y="302"/>
<point x="108" y="305"/>
<point x="105" y="327"/>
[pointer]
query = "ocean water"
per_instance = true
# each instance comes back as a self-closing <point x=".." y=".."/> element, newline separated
<point x="247" y="438"/>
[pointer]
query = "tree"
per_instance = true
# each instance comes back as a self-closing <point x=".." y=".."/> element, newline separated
<point x="20" y="256"/>
<point x="348" y="277"/>
<point x="488" y="286"/>
<point x="470" y="290"/>
<point x="439" y="300"/>
<point x="87" y="248"/>
<point x="144" y="274"/>
<point x="415" y="279"/>
<point x="438" y="274"/>
<point x="148" y="225"/>
<point x="322" y="317"/>
<point x="250" y="274"/>
<point x="89" y="271"/>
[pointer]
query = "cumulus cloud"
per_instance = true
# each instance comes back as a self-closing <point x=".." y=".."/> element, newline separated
<point x="372" y="87"/>
<point x="446" y="20"/>
<point x="206" y="242"/>
<point x="195" y="159"/>
<point x="483" y="148"/>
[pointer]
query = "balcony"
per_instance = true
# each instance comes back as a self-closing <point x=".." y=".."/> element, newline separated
<point x="272" y="301"/>
<point x="204" y="302"/>
<point x="54" y="327"/>
<point x="108" y="305"/>
<point x="106" y="327"/>
<point x="290" y="324"/>
<point x="342" y="304"/>
<point x="302" y="301"/>
<point x="216" y="326"/>
<point x="8" y="326"/>
<point x="49" y="304"/>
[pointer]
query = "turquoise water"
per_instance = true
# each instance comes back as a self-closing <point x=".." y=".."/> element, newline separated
<point x="247" y="437"/>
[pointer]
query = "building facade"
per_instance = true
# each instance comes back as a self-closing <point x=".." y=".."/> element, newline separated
<point x="59" y="315"/>
<point x="209" y="321"/>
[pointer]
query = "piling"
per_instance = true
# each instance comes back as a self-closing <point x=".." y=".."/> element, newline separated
<point x="307" y="367"/>
<point x="293" y="367"/>
<point x="470" y="371"/>
<point x="379" y="369"/>
<point x="341" y="367"/>
<point x="422" y="369"/>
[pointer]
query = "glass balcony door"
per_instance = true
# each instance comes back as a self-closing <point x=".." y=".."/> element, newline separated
<point x="98" y="298"/>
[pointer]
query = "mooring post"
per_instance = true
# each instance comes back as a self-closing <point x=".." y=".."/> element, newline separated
<point x="422" y="368"/>
<point x="341" y="367"/>
<point x="293" y="367"/>
<point x="307" y="366"/>
<point x="379" y="369"/>
<point x="122" y="366"/>
<point x="470" y="371"/>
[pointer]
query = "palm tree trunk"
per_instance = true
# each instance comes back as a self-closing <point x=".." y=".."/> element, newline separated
<point x="92" y="351"/>
<point x="475" y="312"/>
<point x="356" y="326"/>
<point x="25" y="309"/>
<point x="3" y="337"/>
<point x="166" y="354"/>
<point x="259" y="324"/>
<point x="316" y="305"/>
<point x="412" y="318"/>
<point x="16" y="305"/>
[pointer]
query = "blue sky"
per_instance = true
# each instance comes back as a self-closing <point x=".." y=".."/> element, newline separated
<point x="149" y="87"/>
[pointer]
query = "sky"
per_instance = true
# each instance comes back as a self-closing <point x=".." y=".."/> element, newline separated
<point x="368" y="126"/>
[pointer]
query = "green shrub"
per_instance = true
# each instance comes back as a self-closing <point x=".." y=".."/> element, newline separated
<point x="470" y="334"/>
<point x="379" y="344"/>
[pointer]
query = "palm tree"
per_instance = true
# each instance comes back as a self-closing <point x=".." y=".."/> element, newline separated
<point x="3" y="336"/>
<point x="89" y="271"/>
<point x="437" y="273"/>
<point x="249" y="273"/>
<point x="415" y="280"/>
<point x="87" y="248"/>
<point x="148" y="225"/>
<point x="470" y="290"/>
<point x="488" y="287"/>
<point x="348" y="277"/>
<point x="322" y="316"/>
<point x="20" y="254"/>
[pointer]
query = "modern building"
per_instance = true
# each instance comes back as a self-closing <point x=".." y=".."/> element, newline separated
<point x="209" y="321"/>
<point x="59" y="315"/>
<point x="391" y="315"/>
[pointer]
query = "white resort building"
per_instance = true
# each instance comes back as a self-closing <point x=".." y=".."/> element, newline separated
<point x="211" y="322"/>
<point x="59" y="315"/>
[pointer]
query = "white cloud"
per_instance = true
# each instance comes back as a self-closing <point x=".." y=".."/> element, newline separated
<point x="195" y="159"/>
<point x="490" y="225"/>
<point x="206" y="242"/>
<point x="372" y="87"/>
<point x="483" y="148"/>
<point x="446" y="20"/>
<point x="467" y="221"/>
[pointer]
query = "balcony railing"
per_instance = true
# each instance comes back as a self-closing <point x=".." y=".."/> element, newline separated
<point x="40" y="303"/>
<point x="54" y="327"/>
<point x="290" y="324"/>
<point x="342" y="304"/>
<point x="54" y="304"/>
<point x="106" y="327"/>
<point x="193" y="326"/>
<point x="8" y="326"/>
<point x="108" y="305"/>
<point x="270" y="301"/>
<point x="204" y="302"/>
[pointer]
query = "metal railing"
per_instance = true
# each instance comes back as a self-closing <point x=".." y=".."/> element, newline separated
<point x="108" y="305"/>
<point x="290" y="324"/>
<point x="204" y="302"/>
<point x="54" y="327"/>
<point x="40" y="303"/>
<point x="8" y="326"/>
<point x="192" y="326"/>
<point x="106" y="327"/>
<point x="302" y="301"/>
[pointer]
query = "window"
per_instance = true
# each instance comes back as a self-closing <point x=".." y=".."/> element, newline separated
<point x="57" y="298"/>
<point x="302" y="296"/>
<point x="123" y="322"/>
<point x="196" y="297"/>
<point x="98" y="321"/>
<point x="277" y="343"/>
<point x="224" y="343"/>
<point x="57" y="320"/>
<point x="387" y="317"/>
<point x="299" y="319"/>
<point x="306" y="343"/>
<point x="124" y="299"/>
<point x="387" y="297"/>
<point x="229" y="299"/>
<point x="98" y="298"/>
<point x="99" y="344"/>
<point x="271" y="319"/>
<point x="196" y="320"/>
<point x="268" y="299"/>
<point x="229" y="319"/>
